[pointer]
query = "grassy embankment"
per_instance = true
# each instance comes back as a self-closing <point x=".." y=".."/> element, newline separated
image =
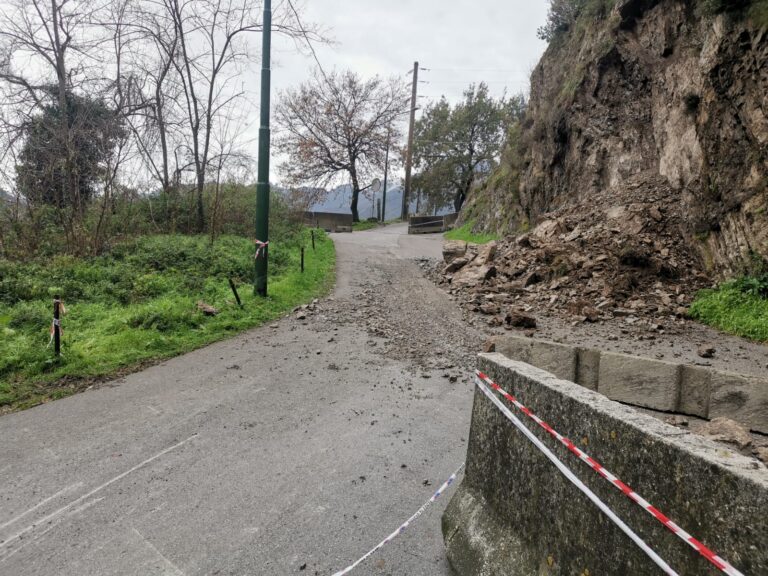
<point x="465" y="233"/>
<point x="137" y="305"/>
<point x="739" y="307"/>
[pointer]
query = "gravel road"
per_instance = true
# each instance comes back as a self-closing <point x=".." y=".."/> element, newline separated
<point x="291" y="449"/>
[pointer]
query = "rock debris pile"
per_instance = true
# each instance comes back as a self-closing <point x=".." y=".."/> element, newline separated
<point x="624" y="262"/>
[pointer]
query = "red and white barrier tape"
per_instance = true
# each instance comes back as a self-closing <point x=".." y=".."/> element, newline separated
<point x="576" y="481"/>
<point x="713" y="558"/>
<point x="260" y="248"/>
<point x="404" y="525"/>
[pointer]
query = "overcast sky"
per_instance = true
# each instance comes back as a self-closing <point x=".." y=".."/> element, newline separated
<point x="459" y="41"/>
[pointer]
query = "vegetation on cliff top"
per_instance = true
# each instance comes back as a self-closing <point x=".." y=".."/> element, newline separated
<point x="564" y="15"/>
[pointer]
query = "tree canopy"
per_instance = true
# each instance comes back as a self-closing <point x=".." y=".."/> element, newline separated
<point x="456" y="145"/>
<point x="338" y="126"/>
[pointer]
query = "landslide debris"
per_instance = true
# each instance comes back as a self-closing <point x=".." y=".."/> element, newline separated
<point x="616" y="257"/>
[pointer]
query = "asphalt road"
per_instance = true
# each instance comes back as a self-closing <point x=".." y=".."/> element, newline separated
<point x="291" y="449"/>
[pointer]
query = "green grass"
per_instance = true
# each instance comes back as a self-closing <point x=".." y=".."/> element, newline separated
<point x="736" y="307"/>
<point x="365" y="225"/>
<point x="465" y="233"/>
<point x="137" y="305"/>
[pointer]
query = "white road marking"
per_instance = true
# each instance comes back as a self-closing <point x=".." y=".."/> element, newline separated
<point x="53" y="525"/>
<point x="43" y="503"/>
<point x="175" y="570"/>
<point x="106" y="484"/>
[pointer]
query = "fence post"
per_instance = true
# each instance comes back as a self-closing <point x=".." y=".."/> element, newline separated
<point x="313" y="240"/>
<point x="234" y="291"/>
<point x="302" y="259"/>
<point x="57" y="325"/>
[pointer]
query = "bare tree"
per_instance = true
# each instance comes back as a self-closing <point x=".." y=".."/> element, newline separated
<point x="212" y="51"/>
<point x="145" y="45"/>
<point x="338" y="125"/>
<point x="230" y="165"/>
<point x="169" y="70"/>
<point x="186" y="59"/>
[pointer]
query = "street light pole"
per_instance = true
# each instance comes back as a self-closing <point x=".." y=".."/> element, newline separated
<point x="262" y="184"/>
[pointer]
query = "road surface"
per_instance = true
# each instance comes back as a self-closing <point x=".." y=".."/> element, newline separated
<point x="291" y="449"/>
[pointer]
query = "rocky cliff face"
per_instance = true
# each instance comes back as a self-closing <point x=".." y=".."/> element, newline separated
<point x="651" y="108"/>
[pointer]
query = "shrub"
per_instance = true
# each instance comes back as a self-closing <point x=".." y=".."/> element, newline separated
<point x="563" y="14"/>
<point x="165" y="318"/>
<point x="150" y="286"/>
<point x="753" y="285"/>
<point x="30" y="316"/>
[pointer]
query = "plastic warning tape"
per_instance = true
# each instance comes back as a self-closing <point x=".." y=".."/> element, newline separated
<point x="576" y="481"/>
<point x="713" y="558"/>
<point x="404" y="525"/>
<point x="261" y="248"/>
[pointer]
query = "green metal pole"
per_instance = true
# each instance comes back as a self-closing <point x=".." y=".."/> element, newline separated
<point x="262" y="184"/>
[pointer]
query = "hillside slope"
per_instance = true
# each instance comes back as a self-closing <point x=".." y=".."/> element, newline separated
<point x="647" y="120"/>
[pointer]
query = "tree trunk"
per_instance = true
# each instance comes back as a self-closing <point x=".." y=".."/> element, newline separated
<point x="200" y="212"/>
<point x="463" y="192"/>
<point x="355" y="196"/>
<point x="458" y="202"/>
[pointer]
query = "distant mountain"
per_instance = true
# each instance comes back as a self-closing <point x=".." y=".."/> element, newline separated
<point x="339" y="199"/>
<point x="6" y="198"/>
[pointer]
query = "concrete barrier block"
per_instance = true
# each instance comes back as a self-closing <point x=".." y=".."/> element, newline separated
<point x="515" y="514"/>
<point x="695" y="384"/>
<point x="514" y="347"/>
<point x="640" y="381"/>
<point x="742" y="398"/>
<point x="558" y="359"/>
<point x="588" y="368"/>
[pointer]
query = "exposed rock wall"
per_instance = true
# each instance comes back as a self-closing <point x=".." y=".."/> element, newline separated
<point x="657" y="100"/>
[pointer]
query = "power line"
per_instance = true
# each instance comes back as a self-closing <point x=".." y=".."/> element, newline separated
<point x="471" y="69"/>
<point x="308" y="41"/>
<point x="475" y="81"/>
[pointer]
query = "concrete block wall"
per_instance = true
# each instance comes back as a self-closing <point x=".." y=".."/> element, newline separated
<point x="655" y="384"/>
<point x="329" y="221"/>
<point x="514" y="514"/>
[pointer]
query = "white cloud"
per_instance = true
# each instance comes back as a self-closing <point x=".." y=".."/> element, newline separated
<point x="460" y="41"/>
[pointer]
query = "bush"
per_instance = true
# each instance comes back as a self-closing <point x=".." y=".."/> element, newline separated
<point x="166" y="318"/>
<point x="31" y="316"/>
<point x="753" y="285"/>
<point x="712" y="7"/>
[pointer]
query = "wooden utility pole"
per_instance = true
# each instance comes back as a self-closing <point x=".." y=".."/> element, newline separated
<point x="386" y="172"/>
<point x="409" y="154"/>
